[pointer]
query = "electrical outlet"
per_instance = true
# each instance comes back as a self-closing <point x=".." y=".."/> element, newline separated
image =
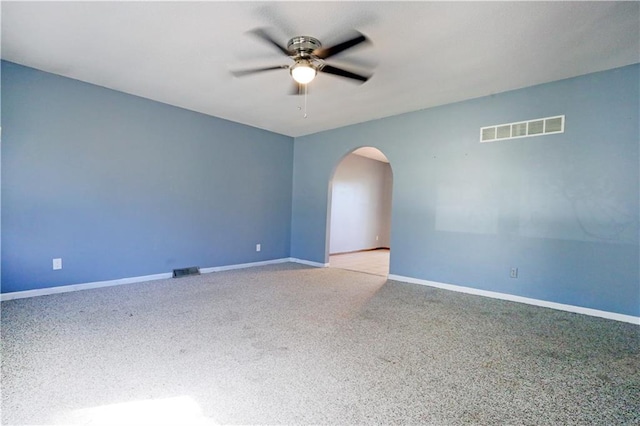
<point x="258" y="248"/>
<point x="57" y="264"/>
<point x="377" y="237"/>
<point x="513" y="273"/>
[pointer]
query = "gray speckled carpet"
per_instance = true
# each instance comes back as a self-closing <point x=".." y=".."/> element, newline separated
<point x="287" y="344"/>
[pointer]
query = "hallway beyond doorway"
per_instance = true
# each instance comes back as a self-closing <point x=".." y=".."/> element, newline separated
<point x="370" y="261"/>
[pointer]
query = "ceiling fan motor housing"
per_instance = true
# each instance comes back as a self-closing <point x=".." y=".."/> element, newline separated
<point x="308" y="56"/>
<point x="303" y="45"/>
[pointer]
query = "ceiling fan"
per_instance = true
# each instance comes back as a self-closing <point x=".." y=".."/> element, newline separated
<point x="308" y="57"/>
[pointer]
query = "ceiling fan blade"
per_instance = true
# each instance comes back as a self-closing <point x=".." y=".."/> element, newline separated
<point x="342" y="73"/>
<point x="326" y="52"/>
<point x="241" y="73"/>
<point x="263" y="35"/>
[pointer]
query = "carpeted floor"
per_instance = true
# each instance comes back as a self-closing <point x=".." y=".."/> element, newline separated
<point x="287" y="344"/>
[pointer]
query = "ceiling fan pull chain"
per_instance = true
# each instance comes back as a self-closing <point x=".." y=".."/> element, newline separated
<point x="305" y="101"/>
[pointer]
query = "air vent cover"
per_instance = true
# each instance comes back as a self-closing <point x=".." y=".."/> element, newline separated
<point x="183" y="272"/>
<point x="523" y="129"/>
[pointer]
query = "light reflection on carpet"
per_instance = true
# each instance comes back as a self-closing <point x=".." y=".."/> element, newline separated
<point x="182" y="410"/>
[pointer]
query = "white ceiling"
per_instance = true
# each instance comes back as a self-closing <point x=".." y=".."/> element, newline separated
<point x="423" y="53"/>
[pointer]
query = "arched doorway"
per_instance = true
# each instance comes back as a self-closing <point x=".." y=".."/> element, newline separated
<point x="359" y="217"/>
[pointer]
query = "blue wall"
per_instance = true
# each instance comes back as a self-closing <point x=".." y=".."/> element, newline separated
<point x="119" y="186"/>
<point x="561" y="208"/>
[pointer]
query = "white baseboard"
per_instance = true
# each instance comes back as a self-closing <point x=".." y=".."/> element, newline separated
<point x="309" y="263"/>
<point x="510" y="297"/>
<point x="460" y="289"/>
<point x="131" y="280"/>
<point x="85" y="286"/>
<point x="243" y="265"/>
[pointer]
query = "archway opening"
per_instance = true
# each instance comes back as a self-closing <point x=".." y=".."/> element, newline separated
<point x="359" y="225"/>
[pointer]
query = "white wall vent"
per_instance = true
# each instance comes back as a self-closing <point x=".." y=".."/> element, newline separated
<point x="523" y="129"/>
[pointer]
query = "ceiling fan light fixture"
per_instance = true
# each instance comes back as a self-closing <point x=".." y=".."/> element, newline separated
<point x="303" y="72"/>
